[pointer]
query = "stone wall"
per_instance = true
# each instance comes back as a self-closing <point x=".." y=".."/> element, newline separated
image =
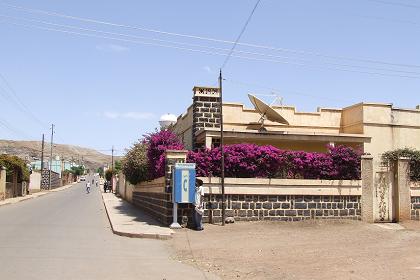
<point x="282" y="207"/>
<point x="258" y="199"/>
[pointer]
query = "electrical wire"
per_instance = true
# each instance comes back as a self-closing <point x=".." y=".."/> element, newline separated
<point x="277" y="90"/>
<point x="396" y="4"/>
<point x="215" y="53"/>
<point x="208" y="47"/>
<point x="20" y="103"/>
<point x="240" y="34"/>
<point x="299" y="52"/>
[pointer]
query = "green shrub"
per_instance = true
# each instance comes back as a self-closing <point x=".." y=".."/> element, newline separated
<point x="412" y="154"/>
<point x="108" y="174"/>
<point x="15" y="165"/>
<point x="135" y="164"/>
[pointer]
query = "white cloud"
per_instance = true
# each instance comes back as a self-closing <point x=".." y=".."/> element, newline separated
<point x="128" y="115"/>
<point x="208" y="69"/>
<point x="111" y="115"/>
<point x="112" y="48"/>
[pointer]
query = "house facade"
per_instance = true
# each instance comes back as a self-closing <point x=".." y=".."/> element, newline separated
<point x="372" y="127"/>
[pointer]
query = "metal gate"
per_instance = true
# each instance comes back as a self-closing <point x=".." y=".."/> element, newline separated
<point x="383" y="195"/>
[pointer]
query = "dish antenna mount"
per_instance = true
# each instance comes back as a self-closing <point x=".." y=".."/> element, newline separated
<point x="266" y="112"/>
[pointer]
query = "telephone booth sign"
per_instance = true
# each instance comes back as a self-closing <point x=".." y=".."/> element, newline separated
<point x="184" y="183"/>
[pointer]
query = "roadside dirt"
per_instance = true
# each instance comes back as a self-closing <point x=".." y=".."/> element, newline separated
<point x="303" y="250"/>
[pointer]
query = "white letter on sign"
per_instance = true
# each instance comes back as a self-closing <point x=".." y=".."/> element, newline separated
<point x="185" y="185"/>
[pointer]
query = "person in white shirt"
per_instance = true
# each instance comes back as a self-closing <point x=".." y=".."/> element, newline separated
<point x="199" y="205"/>
<point x="88" y="187"/>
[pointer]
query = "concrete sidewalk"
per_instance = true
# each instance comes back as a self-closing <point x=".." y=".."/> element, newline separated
<point x="34" y="195"/>
<point x="127" y="220"/>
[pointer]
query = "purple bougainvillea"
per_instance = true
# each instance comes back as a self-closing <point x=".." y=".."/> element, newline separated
<point x="249" y="160"/>
<point x="157" y="143"/>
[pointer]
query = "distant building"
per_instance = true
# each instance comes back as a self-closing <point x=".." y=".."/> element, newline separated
<point x="372" y="127"/>
<point x="58" y="165"/>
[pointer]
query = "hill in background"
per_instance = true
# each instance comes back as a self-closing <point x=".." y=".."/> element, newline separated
<point x="28" y="149"/>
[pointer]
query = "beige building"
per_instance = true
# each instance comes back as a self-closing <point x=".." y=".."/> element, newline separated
<point x="374" y="128"/>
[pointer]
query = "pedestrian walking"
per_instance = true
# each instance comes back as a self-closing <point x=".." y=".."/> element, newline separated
<point x="88" y="187"/>
<point x="199" y="205"/>
<point x="105" y="186"/>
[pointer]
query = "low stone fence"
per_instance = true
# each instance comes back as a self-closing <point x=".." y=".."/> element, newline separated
<point x="152" y="198"/>
<point x="258" y="199"/>
<point x="282" y="199"/>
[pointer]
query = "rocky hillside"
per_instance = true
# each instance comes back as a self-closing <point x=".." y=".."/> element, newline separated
<point x="29" y="149"/>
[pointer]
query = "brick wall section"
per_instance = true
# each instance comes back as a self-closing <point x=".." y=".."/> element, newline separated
<point x="283" y="207"/>
<point x="415" y="208"/>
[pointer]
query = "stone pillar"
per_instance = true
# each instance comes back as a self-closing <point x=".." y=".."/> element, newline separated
<point x="172" y="157"/>
<point x="402" y="195"/>
<point x="206" y="111"/>
<point x="2" y="183"/>
<point x="367" y="189"/>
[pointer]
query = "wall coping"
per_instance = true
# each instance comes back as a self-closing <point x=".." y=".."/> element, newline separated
<point x="282" y="182"/>
<point x="260" y="186"/>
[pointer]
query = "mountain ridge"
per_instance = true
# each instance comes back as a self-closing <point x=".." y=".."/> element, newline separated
<point x="30" y="149"/>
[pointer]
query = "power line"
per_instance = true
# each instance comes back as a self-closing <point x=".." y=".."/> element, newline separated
<point x="300" y="52"/>
<point x="240" y="34"/>
<point x="19" y="102"/>
<point x="396" y="4"/>
<point x="216" y="53"/>
<point x="287" y="92"/>
<point x="12" y="129"/>
<point x="209" y="47"/>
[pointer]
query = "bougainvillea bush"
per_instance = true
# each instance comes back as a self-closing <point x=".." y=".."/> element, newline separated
<point x="252" y="161"/>
<point x="157" y="143"/>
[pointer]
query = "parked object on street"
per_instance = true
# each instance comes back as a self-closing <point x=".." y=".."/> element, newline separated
<point x="82" y="178"/>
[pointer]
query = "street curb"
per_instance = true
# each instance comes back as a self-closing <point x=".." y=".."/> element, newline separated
<point x="38" y="194"/>
<point x="133" y="235"/>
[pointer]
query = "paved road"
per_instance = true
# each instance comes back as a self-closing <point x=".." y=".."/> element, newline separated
<point x="66" y="235"/>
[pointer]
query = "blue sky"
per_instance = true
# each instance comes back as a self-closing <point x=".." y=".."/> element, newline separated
<point x="101" y="92"/>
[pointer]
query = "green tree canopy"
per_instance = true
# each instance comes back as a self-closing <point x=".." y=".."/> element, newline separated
<point x="15" y="165"/>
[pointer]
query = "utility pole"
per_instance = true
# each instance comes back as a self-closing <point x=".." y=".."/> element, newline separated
<point x="112" y="159"/>
<point x="42" y="155"/>
<point x="222" y="177"/>
<point x="51" y="155"/>
<point x="112" y="168"/>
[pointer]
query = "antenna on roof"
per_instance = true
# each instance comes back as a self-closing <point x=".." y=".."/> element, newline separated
<point x="266" y="112"/>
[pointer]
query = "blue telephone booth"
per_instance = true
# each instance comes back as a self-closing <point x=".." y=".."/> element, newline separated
<point x="184" y="183"/>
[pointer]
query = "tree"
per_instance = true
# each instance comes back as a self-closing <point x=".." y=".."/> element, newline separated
<point x="117" y="166"/>
<point x="77" y="170"/>
<point x="135" y="164"/>
<point x="100" y="171"/>
<point x="15" y="165"/>
<point x="108" y="174"/>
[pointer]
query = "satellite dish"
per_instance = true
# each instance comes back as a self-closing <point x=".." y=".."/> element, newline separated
<point x="266" y="112"/>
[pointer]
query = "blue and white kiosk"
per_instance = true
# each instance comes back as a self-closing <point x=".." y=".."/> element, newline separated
<point x="183" y="188"/>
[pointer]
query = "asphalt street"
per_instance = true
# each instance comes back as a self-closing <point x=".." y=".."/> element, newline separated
<point x="66" y="235"/>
